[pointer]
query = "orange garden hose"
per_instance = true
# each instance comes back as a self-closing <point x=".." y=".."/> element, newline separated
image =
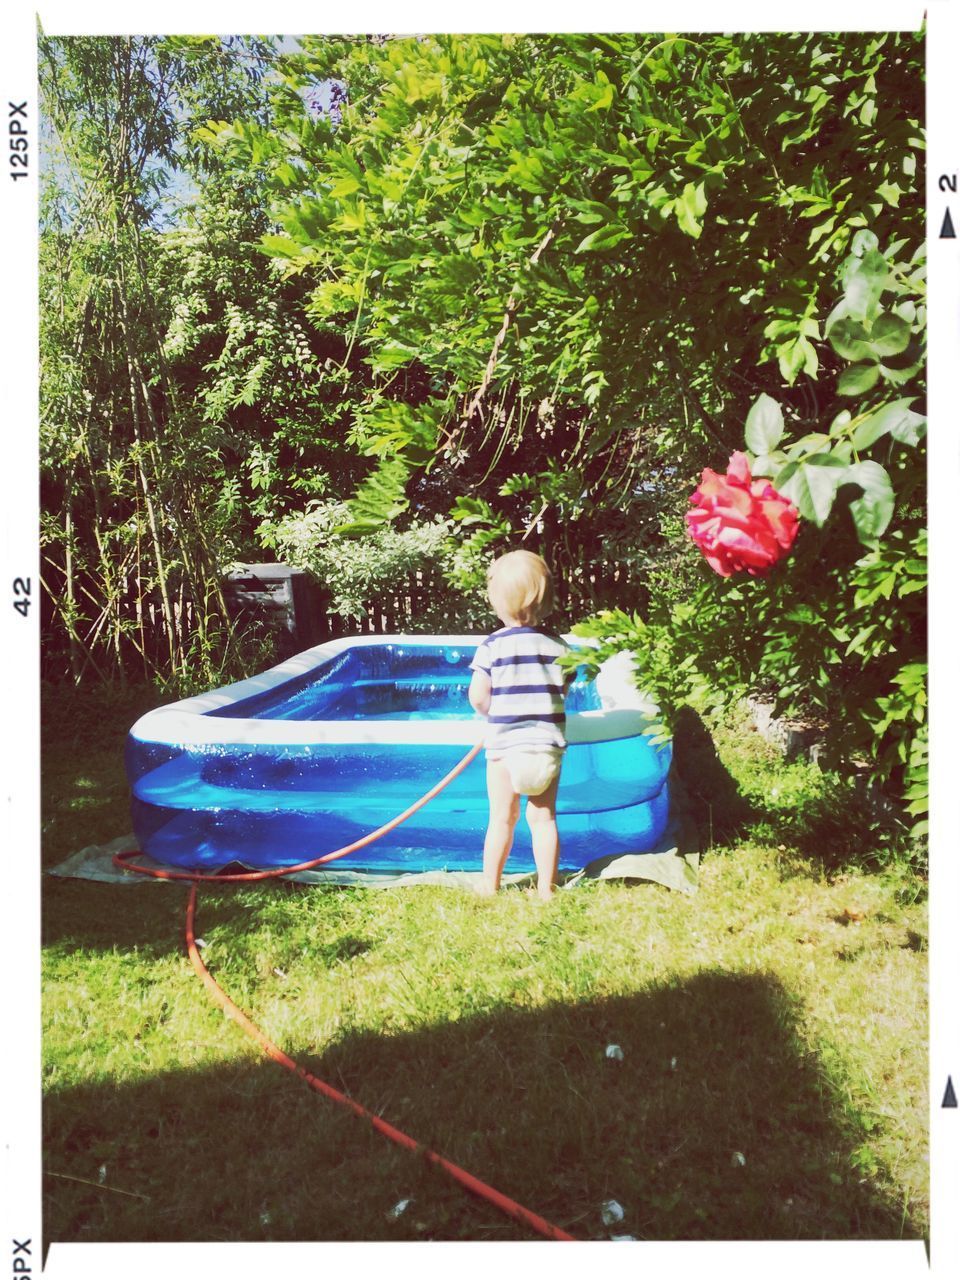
<point x="508" y="1206"/>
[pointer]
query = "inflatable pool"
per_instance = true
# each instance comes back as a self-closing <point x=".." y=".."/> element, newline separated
<point x="336" y="741"/>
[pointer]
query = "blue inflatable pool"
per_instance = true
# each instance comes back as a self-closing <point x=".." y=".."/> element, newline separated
<point x="315" y="752"/>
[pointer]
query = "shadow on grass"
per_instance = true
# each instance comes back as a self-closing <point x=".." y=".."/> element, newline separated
<point x="82" y="915"/>
<point x="717" y="1124"/>
<point x="84" y="794"/>
<point x="716" y="804"/>
<point x="827" y="820"/>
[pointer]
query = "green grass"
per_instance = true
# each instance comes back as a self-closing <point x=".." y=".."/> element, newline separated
<point x="780" y="1014"/>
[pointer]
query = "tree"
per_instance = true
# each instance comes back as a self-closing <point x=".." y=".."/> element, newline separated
<point x="124" y="469"/>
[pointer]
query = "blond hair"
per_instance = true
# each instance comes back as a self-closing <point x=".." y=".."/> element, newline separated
<point x="519" y="585"/>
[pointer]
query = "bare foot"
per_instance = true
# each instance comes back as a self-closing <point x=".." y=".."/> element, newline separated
<point x="484" y="889"/>
<point x="541" y="896"/>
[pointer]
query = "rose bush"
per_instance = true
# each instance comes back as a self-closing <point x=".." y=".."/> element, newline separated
<point x="740" y="523"/>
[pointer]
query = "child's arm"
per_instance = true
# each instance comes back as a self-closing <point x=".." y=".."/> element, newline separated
<point x="479" y="692"/>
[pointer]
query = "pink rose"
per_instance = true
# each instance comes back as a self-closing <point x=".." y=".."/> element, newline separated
<point x="739" y="523"/>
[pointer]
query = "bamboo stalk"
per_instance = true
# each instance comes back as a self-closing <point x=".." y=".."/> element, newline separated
<point x="68" y="566"/>
<point x="138" y="595"/>
<point x="145" y="486"/>
<point x="88" y="656"/>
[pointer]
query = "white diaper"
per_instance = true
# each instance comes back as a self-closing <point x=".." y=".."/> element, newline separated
<point x="531" y="772"/>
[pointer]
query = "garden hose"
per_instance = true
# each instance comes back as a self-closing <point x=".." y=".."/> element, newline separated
<point x="482" y="1189"/>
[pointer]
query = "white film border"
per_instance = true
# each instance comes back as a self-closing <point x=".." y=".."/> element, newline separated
<point x="21" y="1115"/>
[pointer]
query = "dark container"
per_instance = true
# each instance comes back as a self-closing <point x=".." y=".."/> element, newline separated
<point x="284" y="599"/>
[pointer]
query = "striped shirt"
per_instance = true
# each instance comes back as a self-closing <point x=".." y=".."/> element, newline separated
<point x="527" y="688"/>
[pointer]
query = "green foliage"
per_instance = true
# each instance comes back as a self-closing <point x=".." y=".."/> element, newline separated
<point x="549" y="179"/>
<point x="813" y="470"/>
<point x="139" y="492"/>
<point x="837" y="632"/>
<point x="471" y="555"/>
<point x="360" y="571"/>
<point x="845" y="646"/>
<point x="663" y="668"/>
<point x="880" y="315"/>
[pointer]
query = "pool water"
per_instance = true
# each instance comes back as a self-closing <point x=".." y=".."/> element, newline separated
<point x="384" y="682"/>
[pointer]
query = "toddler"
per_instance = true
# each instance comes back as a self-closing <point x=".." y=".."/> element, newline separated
<point x="519" y="687"/>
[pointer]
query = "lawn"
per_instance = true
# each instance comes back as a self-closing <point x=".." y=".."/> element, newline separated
<point x="773" y="1029"/>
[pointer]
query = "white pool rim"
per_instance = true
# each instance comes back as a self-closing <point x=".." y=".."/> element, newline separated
<point x="625" y="712"/>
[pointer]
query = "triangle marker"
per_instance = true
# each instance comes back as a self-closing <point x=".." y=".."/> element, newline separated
<point x="946" y="231"/>
<point x="949" y="1097"/>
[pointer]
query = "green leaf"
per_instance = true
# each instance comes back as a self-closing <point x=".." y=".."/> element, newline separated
<point x="469" y="510"/>
<point x="857" y="378"/>
<point x="815" y="442"/>
<point x="864" y="284"/>
<point x="381" y="497"/>
<point x="842" y="449"/>
<point x="212" y="131"/>
<point x="839" y="312"/>
<point x="604" y="100"/>
<point x="345" y="186"/>
<point x="764" y="426"/>
<point x="900" y="377"/>
<point x="873" y="512"/>
<point x="849" y="339"/>
<point x="768" y="464"/>
<point x="280" y="247"/>
<point x="896" y="419"/>
<point x="690" y="208"/>
<point x="812" y="485"/>
<point x="392" y="355"/>
<point x="820" y="230"/>
<point x="863" y="242"/>
<point x="840" y="423"/>
<point x="592" y="211"/>
<point x="792" y="356"/>
<point x="907" y="427"/>
<point x="890" y="335"/>
<point x="858" y="643"/>
<point x="603" y="238"/>
<point x="869" y="431"/>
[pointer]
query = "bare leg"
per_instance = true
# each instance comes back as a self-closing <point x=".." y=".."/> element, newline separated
<point x="542" y="817"/>
<point x="504" y="813"/>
